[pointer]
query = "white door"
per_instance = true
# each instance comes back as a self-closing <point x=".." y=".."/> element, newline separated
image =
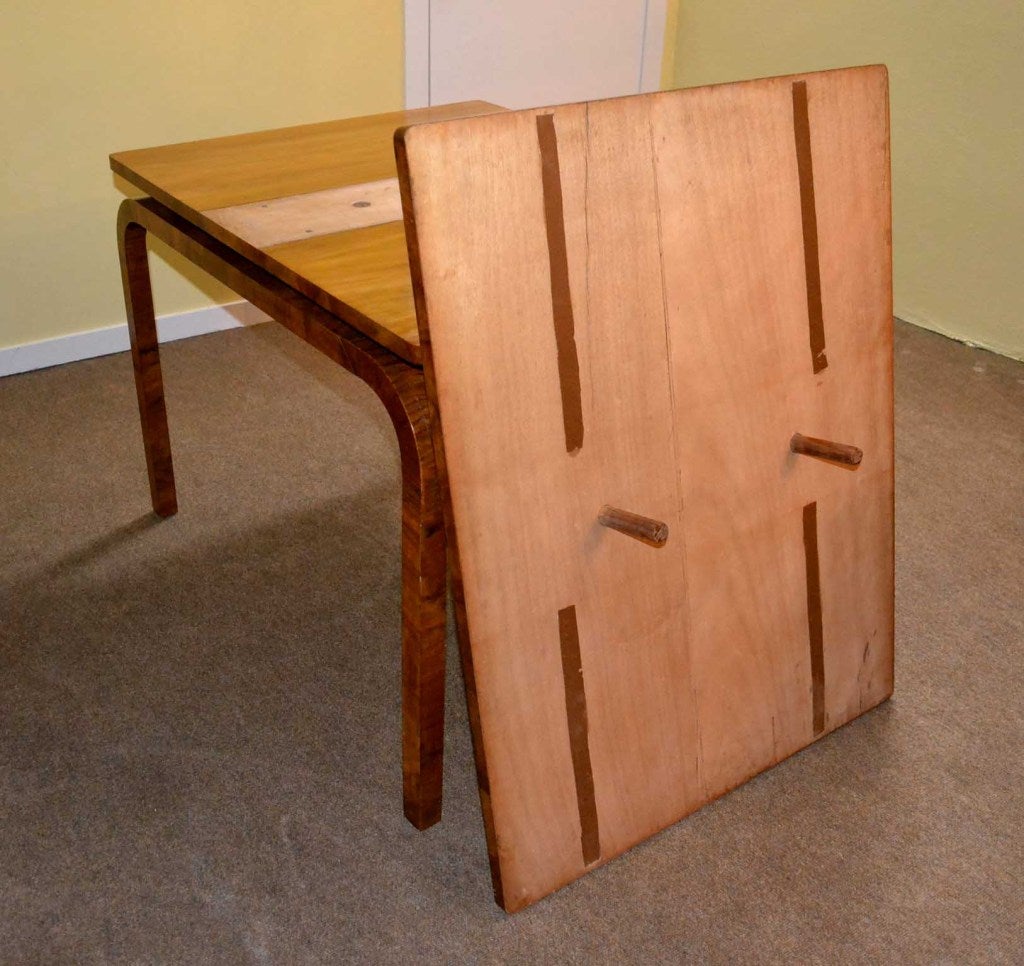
<point x="528" y="53"/>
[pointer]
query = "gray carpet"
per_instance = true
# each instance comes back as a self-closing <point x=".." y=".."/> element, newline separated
<point x="199" y="730"/>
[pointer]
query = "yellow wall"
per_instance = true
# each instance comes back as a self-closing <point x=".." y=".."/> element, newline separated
<point x="81" y="80"/>
<point x="956" y="72"/>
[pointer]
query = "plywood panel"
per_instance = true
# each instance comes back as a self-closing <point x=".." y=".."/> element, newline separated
<point x="648" y="268"/>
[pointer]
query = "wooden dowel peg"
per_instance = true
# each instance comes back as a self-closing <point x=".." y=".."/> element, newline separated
<point x="825" y="449"/>
<point x="644" y="529"/>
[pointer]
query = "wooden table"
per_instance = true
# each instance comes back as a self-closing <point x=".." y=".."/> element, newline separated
<point x="674" y="564"/>
<point x="306" y="223"/>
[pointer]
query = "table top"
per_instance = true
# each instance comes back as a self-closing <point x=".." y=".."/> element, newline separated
<point x="694" y="277"/>
<point x="316" y="205"/>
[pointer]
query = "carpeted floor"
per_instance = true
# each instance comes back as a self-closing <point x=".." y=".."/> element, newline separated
<point x="199" y="728"/>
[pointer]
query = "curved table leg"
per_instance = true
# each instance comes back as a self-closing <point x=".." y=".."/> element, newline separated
<point x="149" y="386"/>
<point x="424" y="574"/>
<point x="400" y="387"/>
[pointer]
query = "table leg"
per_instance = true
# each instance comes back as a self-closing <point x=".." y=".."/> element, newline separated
<point x="400" y="387"/>
<point x="424" y="574"/>
<point x="402" y="390"/>
<point x="149" y="387"/>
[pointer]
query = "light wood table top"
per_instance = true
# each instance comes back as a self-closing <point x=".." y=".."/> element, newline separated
<point x="316" y="205"/>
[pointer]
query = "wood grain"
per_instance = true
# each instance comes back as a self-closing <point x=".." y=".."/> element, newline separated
<point x="370" y="267"/>
<point x="243" y="168"/>
<point x="454" y="560"/>
<point x="401" y="389"/>
<point x="685" y="258"/>
<point x="298" y="217"/>
<point x="197" y="177"/>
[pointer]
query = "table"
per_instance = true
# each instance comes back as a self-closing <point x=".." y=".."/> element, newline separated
<point x="306" y="223"/>
<point x="674" y="507"/>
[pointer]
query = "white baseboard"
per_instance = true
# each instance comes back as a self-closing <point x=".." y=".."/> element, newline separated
<point x="114" y="338"/>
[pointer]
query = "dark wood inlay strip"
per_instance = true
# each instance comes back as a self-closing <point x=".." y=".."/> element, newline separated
<point x="561" y="300"/>
<point x="814" y="617"/>
<point x="579" y="742"/>
<point x="812" y="272"/>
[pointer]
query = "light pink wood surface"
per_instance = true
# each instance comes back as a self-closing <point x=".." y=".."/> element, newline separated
<point x="685" y="235"/>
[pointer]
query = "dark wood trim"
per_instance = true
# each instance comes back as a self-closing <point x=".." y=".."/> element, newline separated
<point x="815" y="632"/>
<point x="579" y="733"/>
<point x="809" y="223"/>
<point x="561" y="297"/>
